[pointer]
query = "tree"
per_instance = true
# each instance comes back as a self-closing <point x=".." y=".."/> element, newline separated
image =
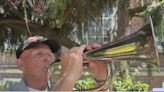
<point x="55" y="17"/>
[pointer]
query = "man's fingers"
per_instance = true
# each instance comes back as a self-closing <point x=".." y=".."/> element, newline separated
<point x="95" y="45"/>
<point x="80" y="50"/>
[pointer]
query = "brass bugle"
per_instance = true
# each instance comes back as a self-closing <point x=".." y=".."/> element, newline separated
<point x="139" y="46"/>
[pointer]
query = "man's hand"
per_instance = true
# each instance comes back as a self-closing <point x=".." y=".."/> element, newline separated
<point x="97" y="69"/>
<point x="72" y="68"/>
<point x="72" y="62"/>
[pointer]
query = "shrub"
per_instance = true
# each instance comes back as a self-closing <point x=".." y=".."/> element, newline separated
<point x="86" y="83"/>
<point x="122" y="84"/>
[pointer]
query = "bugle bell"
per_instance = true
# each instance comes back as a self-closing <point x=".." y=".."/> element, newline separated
<point x="139" y="46"/>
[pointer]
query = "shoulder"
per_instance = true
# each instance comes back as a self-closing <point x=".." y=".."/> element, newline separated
<point x="18" y="87"/>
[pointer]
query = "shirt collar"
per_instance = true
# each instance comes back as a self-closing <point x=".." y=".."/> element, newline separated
<point x="32" y="89"/>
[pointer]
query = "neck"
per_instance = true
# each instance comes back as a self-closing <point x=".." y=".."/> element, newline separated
<point x="35" y="83"/>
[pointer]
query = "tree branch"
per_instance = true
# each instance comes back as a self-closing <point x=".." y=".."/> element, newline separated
<point x="39" y="30"/>
<point x="74" y="4"/>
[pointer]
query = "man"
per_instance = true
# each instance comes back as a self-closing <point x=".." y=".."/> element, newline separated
<point x="34" y="58"/>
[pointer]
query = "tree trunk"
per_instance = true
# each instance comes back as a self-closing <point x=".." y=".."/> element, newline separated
<point x="123" y="21"/>
<point x="123" y="18"/>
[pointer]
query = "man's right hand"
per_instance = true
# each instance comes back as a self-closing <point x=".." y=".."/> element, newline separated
<point x="72" y="68"/>
<point x="72" y="62"/>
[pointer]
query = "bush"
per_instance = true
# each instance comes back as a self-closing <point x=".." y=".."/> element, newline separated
<point x="122" y="84"/>
<point x="86" y="83"/>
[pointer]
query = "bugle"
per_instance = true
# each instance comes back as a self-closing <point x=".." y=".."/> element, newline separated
<point x="139" y="46"/>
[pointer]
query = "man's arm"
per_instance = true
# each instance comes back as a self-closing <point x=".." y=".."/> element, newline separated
<point x="72" y="68"/>
<point x="65" y="83"/>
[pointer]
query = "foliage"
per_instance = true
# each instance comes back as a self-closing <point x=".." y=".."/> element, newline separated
<point x="139" y="86"/>
<point x="152" y="9"/>
<point x="50" y="14"/>
<point x="122" y="84"/>
<point x="9" y="41"/>
<point x="159" y="31"/>
<point x="86" y="83"/>
<point x="156" y="11"/>
<point x="55" y="13"/>
<point x="125" y="81"/>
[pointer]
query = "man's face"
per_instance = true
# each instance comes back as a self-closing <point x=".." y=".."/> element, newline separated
<point x="35" y="62"/>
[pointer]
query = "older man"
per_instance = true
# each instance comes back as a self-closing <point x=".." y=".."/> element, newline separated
<point x="34" y="58"/>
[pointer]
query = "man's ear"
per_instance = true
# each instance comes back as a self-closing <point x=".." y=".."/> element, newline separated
<point x="20" y="64"/>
